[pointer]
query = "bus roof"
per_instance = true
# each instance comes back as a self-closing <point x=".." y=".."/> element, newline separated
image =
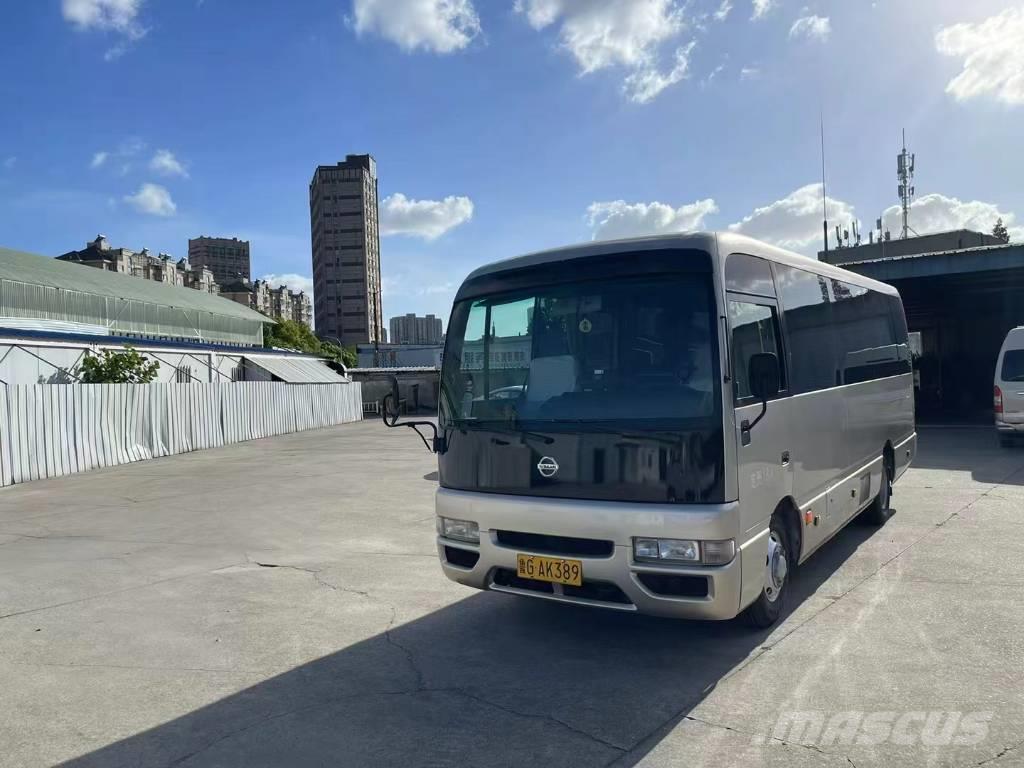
<point x="713" y="242"/>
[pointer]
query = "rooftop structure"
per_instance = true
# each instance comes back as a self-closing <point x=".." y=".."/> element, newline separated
<point x="280" y="303"/>
<point x="410" y="329"/>
<point x="953" y="240"/>
<point x="34" y="286"/>
<point x="161" y="268"/>
<point x="227" y="258"/>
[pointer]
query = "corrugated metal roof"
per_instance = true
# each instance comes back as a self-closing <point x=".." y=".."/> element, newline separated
<point x="912" y="256"/>
<point x="42" y="270"/>
<point x="297" y="370"/>
<point x="396" y="370"/>
<point x="23" y="335"/>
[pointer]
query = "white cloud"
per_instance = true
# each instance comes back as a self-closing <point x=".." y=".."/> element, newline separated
<point x="438" y="288"/>
<point x="711" y="76"/>
<point x="441" y="26"/>
<point x="428" y="219"/>
<point x="124" y="155"/>
<point x="811" y="28"/>
<point x="938" y="213"/>
<point x="618" y="33"/>
<point x="795" y="220"/>
<point x="993" y="57"/>
<point x="294" y="281"/>
<point x="750" y="73"/>
<point x="119" y="16"/>
<point x="166" y="164"/>
<point x="618" y="219"/>
<point x="646" y="83"/>
<point x="152" y="199"/>
<point x="761" y="8"/>
<point x="723" y="10"/>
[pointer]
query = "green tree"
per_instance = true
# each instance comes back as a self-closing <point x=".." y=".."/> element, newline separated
<point x="114" y="366"/>
<point x="1000" y="232"/>
<point x="288" y="334"/>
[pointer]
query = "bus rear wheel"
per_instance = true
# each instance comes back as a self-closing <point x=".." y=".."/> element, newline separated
<point x="766" y="610"/>
<point x="880" y="510"/>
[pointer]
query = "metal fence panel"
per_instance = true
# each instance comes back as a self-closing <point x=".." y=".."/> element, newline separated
<point x="50" y="430"/>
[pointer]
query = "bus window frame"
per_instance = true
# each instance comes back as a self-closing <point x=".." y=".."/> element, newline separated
<point x="780" y="342"/>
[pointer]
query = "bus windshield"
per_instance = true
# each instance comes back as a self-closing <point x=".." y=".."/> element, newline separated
<point x="608" y="350"/>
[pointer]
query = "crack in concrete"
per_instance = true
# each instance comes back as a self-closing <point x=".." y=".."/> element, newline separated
<point x="762" y="650"/>
<point x="409" y="692"/>
<point x="407" y="652"/>
<point x="1002" y="753"/>
<point x="55" y="536"/>
<point x="117" y="591"/>
<point x="133" y="667"/>
<point x="758" y="736"/>
<point x="316" y="576"/>
<point x="531" y="716"/>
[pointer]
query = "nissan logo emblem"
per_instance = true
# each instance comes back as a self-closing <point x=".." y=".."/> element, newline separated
<point x="547" y="466"/>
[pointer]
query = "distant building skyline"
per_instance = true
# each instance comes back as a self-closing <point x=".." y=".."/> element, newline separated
<point x="412" y="329"/>
<point x="278" y="302"/>
<point x="161" y="268"/>
<point x="227" y="258"/>
<point x="346" y="251"/>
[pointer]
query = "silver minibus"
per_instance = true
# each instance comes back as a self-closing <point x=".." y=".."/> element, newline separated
<point x="666" y="425"/>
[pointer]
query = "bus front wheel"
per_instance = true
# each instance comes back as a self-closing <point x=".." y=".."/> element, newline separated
<point x="766" y="610"/>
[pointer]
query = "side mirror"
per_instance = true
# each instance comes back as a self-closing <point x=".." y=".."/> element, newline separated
<point x="390" y="412"/>
<point x="765" y="381"/>
<point x="764" y="375"/>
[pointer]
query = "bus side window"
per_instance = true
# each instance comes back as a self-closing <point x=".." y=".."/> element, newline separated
<point x="755" y="328"/>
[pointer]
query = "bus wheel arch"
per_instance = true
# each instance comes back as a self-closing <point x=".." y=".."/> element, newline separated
<point x="781" y="554"/>
<point x="879" y="510"/>
<point x="789" y="512"/>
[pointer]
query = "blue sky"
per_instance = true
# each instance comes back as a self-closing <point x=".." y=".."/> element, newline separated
<point x="500" y="126"/>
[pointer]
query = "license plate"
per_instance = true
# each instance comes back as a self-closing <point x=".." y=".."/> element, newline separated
<point x="557" y="570"/>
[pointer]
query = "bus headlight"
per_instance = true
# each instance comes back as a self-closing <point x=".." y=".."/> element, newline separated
<point x="684" y="551"/>
<point x="676" y="550"/>
<point x="460" y="530"/>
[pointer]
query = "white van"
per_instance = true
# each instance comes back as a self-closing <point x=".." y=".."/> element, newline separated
<point x="1008" y="393"/>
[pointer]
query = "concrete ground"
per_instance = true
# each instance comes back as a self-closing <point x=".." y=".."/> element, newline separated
<point x="278" y="603"/>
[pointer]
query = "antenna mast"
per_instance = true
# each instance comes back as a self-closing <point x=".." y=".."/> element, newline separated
<point x="824" y="198"/>
<point x="905" y="173"/>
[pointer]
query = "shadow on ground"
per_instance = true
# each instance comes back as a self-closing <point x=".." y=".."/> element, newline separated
<point x="489" y="680"/>
<point x="972" y="449"/>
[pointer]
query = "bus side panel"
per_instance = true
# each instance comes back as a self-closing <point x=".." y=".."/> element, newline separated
<point x="763" y="478"/>
<point x="875" y="412"/>
<point x="817" y="461"/>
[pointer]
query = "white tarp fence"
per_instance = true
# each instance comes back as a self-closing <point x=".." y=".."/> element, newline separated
<point x="50" y="430"/>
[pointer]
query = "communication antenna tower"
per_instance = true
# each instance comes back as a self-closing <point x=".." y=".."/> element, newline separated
<point x="905" y="173"/>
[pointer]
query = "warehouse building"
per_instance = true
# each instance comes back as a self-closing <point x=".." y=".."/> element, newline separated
<point x="39" y="287"/>
<point x="962" y="291"/>
<point x="53" y="312"/>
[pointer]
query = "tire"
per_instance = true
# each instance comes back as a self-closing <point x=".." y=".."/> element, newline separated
<point x="880" y="509"/>
<point x="766" y="610"/>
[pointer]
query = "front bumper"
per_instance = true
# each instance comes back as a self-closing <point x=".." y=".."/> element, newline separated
<point x="613" y="521"/>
